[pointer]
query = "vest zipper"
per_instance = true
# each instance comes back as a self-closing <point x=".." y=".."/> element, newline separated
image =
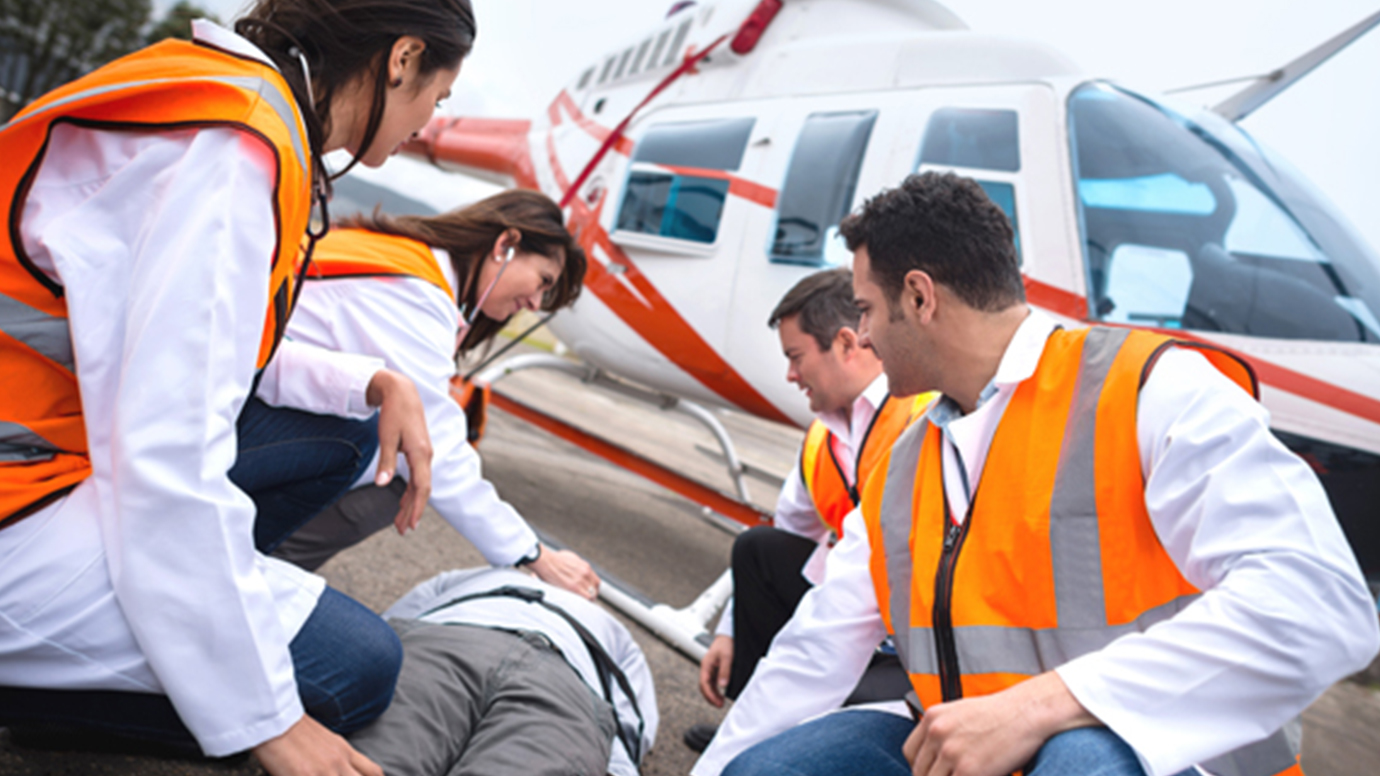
<point x="950" y="680"/>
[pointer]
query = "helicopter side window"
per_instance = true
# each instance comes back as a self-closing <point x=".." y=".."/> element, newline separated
<point x="972" y="137"/>
<point x="969" y="141"/>
<point x="677" y="186"/>
<point x="819" y="187"/>
<point x="1182" y="231"/>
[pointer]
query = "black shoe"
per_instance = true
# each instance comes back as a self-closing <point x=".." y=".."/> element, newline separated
<point x="697" y="737"/>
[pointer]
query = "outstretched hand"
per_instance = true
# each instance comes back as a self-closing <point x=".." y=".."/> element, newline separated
<point x="309" y="749"/>
<point x="566" y="570"/>
<point x="714" y="670"/>
<point x="402" y="429"/>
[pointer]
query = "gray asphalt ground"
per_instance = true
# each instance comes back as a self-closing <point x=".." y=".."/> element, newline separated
<point x="655" y="541"/>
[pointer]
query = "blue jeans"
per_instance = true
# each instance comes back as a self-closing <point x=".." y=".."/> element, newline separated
<point x="294" y="464"/>
<point x="346" y="658"/>
<point x="868" y="743"/>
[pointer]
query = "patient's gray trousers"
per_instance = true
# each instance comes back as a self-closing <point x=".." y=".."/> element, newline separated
<point x="475" y="701"/>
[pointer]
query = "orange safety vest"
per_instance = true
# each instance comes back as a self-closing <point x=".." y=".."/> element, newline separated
<point x="361" y="253"/>
<point x="1057" y="556"/>
<point x="356" y="253"/>
<point x="167" y="86"/>
<point x="833" y="497"/>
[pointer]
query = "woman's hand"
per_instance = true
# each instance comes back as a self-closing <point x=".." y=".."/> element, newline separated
<point x="309" y="749"/>
<point x="567" y="570"/>
<point x="402" y="428"/>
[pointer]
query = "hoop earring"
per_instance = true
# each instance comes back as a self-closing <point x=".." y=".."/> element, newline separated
<point x="395" y="83"/>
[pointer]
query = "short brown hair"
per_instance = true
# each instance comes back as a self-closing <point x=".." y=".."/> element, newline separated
<point x="824" y="302"/>
<point x="946" y="226"/>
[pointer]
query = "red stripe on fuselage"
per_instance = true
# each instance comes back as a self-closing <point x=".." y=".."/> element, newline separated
<point x="1071" y="305"/>
<point x="737" y="186"/>
<point x="623" y="145"/>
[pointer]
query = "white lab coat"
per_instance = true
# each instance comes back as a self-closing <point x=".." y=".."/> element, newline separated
<point x="1284" y="612"/>
<point x="514" y="615"/>
<point x="412" y="324"/>
<point x="795" y="510"/>
<point x="145" y="577"/>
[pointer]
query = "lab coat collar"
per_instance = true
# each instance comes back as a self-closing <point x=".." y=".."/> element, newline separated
<point x="213" y="34"/>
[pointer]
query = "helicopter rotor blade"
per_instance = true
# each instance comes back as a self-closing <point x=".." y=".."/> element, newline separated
<point x="1270" y="85"/>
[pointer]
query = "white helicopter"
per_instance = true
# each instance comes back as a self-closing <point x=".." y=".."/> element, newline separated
<point x="706" y="164"/>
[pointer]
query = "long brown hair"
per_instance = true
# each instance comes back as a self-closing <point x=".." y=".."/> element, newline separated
<point x="342" y="39"/>
<point x="469" y="234"/>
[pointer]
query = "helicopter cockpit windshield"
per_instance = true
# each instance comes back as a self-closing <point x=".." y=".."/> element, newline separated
<point x="1190" y="224"/>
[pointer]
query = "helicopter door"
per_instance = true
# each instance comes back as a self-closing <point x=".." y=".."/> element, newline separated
<point x="1007" y="139"/>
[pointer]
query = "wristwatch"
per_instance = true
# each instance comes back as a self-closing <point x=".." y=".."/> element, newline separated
<point x="527" y="560"/>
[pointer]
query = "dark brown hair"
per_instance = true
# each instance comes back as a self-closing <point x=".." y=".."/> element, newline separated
<point x="946" y="226"/>
<point x="469" y="234"/>
<point x="824" y="302"/>
<point x="344" y="39"/>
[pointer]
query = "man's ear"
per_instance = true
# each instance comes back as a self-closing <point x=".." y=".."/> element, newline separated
<point x="917" y="295"/>
<point x="847" y="342"/>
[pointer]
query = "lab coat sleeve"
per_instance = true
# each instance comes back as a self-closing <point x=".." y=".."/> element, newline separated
<point x="1284" y="612"/>
<point x="795" y="510"/>
<point x="312" y="379"/>
<point x="406" y="321"/>
<point x="815" y="661"/>
<point x="179" y="537"/>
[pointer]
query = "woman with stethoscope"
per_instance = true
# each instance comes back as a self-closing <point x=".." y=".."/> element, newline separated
<point x="155" y="208"/>
<point x="417" y="292"/>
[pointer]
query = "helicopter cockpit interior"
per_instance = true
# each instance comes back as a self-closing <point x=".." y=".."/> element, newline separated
<point x="1189" y="224"/>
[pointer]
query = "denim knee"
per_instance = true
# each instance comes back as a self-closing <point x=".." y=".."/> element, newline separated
<point x="347" y="661"/>
<point x="840" y="744"/>
<point x="1093" y="751"/>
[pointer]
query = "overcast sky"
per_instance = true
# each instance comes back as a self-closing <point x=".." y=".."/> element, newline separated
<point x="1328" y="125"/>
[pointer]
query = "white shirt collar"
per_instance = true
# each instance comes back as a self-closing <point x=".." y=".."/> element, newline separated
<point x="859" y="413"/>
<point x="1018" y="363"/>
<point x="216" y="35"/>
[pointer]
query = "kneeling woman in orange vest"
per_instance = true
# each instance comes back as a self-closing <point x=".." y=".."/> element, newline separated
<point x="156" y="206"/>
<point x="395" y="288"/>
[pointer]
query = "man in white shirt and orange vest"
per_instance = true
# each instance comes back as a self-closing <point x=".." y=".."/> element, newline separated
<point x="856" y="422"/>
<point x="1148" y="582"/>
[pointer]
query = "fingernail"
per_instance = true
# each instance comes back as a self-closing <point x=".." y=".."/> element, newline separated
<point x="383" y="478"/>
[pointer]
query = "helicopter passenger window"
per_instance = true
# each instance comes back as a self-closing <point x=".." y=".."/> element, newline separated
<point x="677" y="186"/>
<point x="819" y="187"/>
<point x="1004" y="196"/>
<point x="654" y="60"/>
<point x="1191" y="225"/>
<point x="673" y="53"/>
<point x="972" y="137"/>
<point x="641" y="55"/>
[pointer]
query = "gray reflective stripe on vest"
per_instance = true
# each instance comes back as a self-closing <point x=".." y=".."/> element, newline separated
<point x="46" y="334"/>
<point x="259" y="86"/>
<point x="896" y="502"/>
<point x="18" y="443"/>
<point x="1077" y="559"/>
<point x="1001" y="649"/>
<point x="1074" y="543"/>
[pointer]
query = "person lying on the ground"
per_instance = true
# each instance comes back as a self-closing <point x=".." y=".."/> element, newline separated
<point x="415" y="291"/>
<point x="503" y="673"/>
